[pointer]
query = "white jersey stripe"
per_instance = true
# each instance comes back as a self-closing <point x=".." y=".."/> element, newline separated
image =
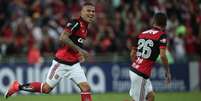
<point x="74" y="26"/>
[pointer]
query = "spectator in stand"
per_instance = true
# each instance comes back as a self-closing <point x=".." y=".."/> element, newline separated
<point x="123" y="18"/>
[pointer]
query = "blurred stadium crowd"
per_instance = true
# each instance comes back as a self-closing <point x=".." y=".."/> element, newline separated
<point x="31" y="27"/>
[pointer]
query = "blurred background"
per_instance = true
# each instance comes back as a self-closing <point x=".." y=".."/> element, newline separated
<point x="29" y="31"/>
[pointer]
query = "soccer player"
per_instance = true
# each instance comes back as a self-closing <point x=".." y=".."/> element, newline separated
<point x="67" y="58"/>
<point x="147" y="47"/>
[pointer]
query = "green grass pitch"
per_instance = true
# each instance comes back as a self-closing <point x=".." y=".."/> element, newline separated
<point x="183" y="96"/>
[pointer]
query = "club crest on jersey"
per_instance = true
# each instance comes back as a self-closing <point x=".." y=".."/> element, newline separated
<point x="69" y="24"/>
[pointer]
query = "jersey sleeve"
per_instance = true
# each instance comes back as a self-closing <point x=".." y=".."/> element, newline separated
<point x="72" y="26"/>
<point x="163" y="41"/>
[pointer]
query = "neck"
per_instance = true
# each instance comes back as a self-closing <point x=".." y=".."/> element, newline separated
<point x="84" y="20"/>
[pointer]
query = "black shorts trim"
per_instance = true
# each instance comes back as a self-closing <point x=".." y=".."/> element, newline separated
<point x="65" y="62"/>
<point x="139" y="73"/>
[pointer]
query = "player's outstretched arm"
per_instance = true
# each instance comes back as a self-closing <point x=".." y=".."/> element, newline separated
<point x="166" y="65"/>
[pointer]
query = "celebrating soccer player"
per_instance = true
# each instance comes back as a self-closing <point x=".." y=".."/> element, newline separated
<point x="66" y="63"/>
<point x="147" y="47"/>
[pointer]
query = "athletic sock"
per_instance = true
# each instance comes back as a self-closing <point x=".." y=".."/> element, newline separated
<point x="31" y="87"/>
<point x="86" y="96"/>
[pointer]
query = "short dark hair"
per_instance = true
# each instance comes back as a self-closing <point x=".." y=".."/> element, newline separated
<point x="88" y="4"/>
<point x="160" y="19"/>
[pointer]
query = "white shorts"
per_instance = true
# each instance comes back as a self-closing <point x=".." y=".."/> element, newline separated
<point x="140" y="87"/>
<point x="58" y="71"/>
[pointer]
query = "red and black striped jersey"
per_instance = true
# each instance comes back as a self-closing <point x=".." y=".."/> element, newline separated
<point x="78" y="30"/>
<point x="148" y="44"/>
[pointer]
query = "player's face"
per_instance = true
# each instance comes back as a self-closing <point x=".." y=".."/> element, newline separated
<point x="88" y="13"/>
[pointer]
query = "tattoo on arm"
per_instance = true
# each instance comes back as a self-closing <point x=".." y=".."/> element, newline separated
<point x="65" y="38"/>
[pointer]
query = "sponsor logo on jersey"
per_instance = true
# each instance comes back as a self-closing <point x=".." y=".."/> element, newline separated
<point x="80" y="40"/>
